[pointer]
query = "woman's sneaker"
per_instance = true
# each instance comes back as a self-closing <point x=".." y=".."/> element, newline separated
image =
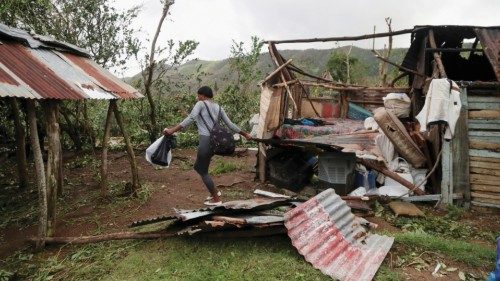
<point x="212" y="203"/>
<point x="209" y="198"/>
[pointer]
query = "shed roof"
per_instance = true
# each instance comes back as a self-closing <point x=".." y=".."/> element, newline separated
<point x="40" y="67"/>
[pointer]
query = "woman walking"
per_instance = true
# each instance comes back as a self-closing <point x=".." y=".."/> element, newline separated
<point x="206" y="113"/>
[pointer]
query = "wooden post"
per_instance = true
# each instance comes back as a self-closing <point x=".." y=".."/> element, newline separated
<point x="447" y="173"/>
<point x="59" y="159"/>
<point x="53" y="136"/>
<point x="133" y="163"/>
<point x="40" y="174"/>
<point x="460" y="148"/>
<point x="104" y="159"/>
<point x="22" y="163"/>
<point x="261" y="160"/>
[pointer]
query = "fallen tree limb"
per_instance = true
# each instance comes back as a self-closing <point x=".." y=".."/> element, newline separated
<point x="101" y="238"/>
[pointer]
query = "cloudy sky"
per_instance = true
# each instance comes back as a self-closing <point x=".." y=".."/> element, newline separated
<point x="215" y="23"/>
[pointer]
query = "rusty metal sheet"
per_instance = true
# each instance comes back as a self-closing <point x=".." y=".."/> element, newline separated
<point x="35" y="74"/>
<point x="102" y="77"/>
<point x="329" y="236"/>
<point x="73" y="76"/>
<point x="490" y="40"/>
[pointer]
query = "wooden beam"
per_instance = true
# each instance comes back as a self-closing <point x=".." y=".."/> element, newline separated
<point x="402" y="68"/>
<point x="52" y="168"/>
<point x="103" y="237"/>
<point x="275" y="71"/>
<point x="345" y="38"/>
<point x="133" y="163"/>
<point x="22" y="163"/>
<point x="104" y="158"/>
<point x="40" y="174"/>
<point x="437" y="57"/>
<point x="453" y="50"/>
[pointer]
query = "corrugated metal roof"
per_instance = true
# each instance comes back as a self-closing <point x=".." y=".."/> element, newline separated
<point x="103" y="77"/>
<point x="329" y="236"/>
<point x="41" y="67"/>
<point x="490" y="39"/>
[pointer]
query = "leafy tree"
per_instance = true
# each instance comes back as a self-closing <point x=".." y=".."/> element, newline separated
<point x="338" y="65"/>
<point x="241" y="99"/>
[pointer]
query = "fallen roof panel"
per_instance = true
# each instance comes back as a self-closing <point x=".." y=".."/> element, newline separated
<point x="330" y="237"/>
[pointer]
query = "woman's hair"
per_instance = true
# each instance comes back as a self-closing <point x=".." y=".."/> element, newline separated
<point x="206" y="91"/>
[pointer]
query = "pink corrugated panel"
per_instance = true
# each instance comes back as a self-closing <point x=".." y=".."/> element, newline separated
<point x="330" y="237"/>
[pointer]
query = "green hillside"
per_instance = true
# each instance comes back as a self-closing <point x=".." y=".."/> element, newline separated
<point x="200" y="72"/>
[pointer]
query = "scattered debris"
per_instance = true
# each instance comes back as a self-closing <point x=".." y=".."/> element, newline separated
<point x="270" y="194"/>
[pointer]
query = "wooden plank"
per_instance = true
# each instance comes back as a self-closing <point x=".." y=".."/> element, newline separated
<point x="478" y="114"/>
<point x="486" y="200"/>
<point x="488" y="98"/>
<point x="483" y="171"/>
<point x="485" y="159"/>
<point x="484" y="124"/>
<point x="460" y="148"/>
<point x="485" y="194"/>
<point x="484" y="134"/>
<point x="475" y="144"/>
<point x="485" y="187"/>
<point x="483" y="153"/>
<point x="484" y="179"/>
<point x="447" y="173"/>
<point x="484" y="105"/>
<point x="481" y="204"/>
<point x="485" y="165"/>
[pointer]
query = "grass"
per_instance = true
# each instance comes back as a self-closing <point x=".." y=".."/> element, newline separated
<point x="384" y="273"/>
<point x="458" y="250"/>
<point x="196" y="258"/>
<point x="221" y="167"/>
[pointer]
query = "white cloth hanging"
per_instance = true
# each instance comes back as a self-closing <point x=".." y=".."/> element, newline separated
<point x="442" y="104"/>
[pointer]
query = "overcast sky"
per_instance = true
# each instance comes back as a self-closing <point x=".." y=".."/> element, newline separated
<point x="215" y="23"/>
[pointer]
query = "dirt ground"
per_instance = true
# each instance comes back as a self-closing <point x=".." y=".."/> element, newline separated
<point x="175" y="187"/>
<point x="82" y="211"/>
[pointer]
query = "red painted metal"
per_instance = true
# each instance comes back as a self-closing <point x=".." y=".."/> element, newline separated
<point x="35" y="74"/>
<point x="332" y="239"/>
<point x="98" y="75"/>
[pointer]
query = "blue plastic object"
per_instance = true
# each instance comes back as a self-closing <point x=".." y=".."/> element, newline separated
<point x="357" y="112"/>
<point x="495" y="274"/>
<point x="367" y="181"/>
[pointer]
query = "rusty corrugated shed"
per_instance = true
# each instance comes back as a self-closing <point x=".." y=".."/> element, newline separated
<point x="329" y="236"/>
<point x="40" y="67"/>
<point x="490" y="39"/>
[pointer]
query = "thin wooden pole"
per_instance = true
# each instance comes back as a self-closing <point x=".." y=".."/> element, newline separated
<point x="275" y="71"/>
<point x="40" y="174"/>
<point x="402" y="68"/>
<point x="345" y="38"/>
<point x="437" y="57"/>
<point x="133" y="163"/>
<point x="22" y="163"/>
<point x="104" y="159"/>
<point x="52" y="162"/>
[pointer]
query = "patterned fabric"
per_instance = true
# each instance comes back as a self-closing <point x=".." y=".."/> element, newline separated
<point x="337" y="127"/>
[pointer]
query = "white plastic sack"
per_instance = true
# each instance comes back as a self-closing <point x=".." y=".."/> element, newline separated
<point x="393" y="191"/>
<point x="386" y="147"/>
<point x="419" y="177"/>
<point x="152" y="148"/>
<point x="398" y="103"/>
<point x="371" y="124"/>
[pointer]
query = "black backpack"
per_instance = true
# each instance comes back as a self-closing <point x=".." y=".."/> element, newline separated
<point x="221" y="140"/>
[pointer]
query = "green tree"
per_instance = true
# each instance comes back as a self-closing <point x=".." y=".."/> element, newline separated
<point x="241" y="99"/>
<point x="338" y="65"/>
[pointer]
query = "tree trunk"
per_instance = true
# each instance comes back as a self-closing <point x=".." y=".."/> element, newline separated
<point x="148" y="76"/>
<point x="104" y="159"/>
<point x="22" y="164"/>
<point x="52" y="162"/>
<point x="40" y="174"/>
<point x="133" y="163"/>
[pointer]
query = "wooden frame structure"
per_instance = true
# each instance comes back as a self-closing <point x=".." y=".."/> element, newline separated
<point x="38" y="69"/>
<point x="476" y="142"/>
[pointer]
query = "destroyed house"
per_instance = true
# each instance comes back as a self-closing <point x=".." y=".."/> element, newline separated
<point x="437" y="137"/>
